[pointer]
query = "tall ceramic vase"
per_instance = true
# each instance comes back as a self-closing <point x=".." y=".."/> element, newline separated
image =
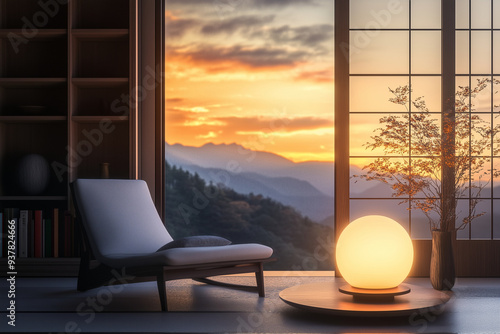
<point x="442" y="272"/>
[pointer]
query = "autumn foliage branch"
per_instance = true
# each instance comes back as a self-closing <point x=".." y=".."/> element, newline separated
<point x="419" y="136"/>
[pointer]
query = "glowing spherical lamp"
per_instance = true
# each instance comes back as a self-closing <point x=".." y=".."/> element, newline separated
<point x="374" y="252"/>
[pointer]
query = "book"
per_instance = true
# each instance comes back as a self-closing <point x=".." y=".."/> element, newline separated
<point x="43" y="238"/>
<point x="37" y="237"/>
<point x="23" y="234"/>
<point x="47" y="235"/>
<point x="31" y="234"/>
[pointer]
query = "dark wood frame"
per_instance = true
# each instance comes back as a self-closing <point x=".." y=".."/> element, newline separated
<point x="160" y="107"/>
<point x="341" y="118"/>
<point x="93" y="274"/>
<point x="473" y="258"/>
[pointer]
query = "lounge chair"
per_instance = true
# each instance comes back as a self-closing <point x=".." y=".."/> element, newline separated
<point x="122" y="231"/>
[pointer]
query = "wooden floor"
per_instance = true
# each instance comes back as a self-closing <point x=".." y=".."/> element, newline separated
<point x="54" y="305"/>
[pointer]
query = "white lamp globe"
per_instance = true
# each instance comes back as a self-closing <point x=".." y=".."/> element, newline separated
<point x="374" y="252"/>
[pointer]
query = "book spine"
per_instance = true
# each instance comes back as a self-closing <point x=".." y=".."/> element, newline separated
<point x="31" y="234"/>
<point x="43" y="237"/>
<point x="23" y="234"/>
<point x="48" y="238"/>
<point x="38" y="234"/>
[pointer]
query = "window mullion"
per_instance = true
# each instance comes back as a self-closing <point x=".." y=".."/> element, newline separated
<point x="448" y="114"/>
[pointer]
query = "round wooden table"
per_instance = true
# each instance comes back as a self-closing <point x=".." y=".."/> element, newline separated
<point x="325" y="297"/>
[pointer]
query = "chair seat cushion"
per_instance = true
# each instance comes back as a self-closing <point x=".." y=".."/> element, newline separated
<point x="196" y="241"/>
<point x="191" y="256"/>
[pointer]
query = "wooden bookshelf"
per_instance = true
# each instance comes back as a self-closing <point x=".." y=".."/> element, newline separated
<point x="64" y="96"/>
<point x="100" y="33"/>
<point x="31" y="82"/>
<point x="45" y="33"/>
<point x="97" y="119"/>
<point x="32" y="119"/>
<point x="33" y="198"/>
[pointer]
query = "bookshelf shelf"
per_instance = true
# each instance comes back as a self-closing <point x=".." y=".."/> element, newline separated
<point x="97" y="119"/>
<point x="71" y="80"/>
<point x="41" y="33"/>
<point x="33" y="198"/>
<point x="31" y="82"/>
<point x="97" y="34"/>
<point x="99" y="82"/>
<point x="32" y="119"/>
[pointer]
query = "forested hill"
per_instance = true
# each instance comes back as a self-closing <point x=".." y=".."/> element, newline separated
<point x="194" y="207"/>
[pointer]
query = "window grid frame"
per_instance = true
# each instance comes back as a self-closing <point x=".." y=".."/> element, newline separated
<point x="491" y="198"/>
<point x="409" y="75"/>
<point x="492" y="157"/>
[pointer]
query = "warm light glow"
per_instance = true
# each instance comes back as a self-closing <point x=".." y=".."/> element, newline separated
<point x="374" y="252"/>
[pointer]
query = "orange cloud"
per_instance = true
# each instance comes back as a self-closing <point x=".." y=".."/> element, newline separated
<point x="174" y="100"/>
<point x="322" y="76"/>
<point x="169" y="16"/>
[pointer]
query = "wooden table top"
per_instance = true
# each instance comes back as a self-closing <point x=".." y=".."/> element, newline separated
<point x="325" y="297"/>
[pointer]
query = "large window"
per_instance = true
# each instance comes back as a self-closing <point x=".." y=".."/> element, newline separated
<point x="249" y="125"/>
<point x="393" y="44"/>
<point x="435" y="48"/>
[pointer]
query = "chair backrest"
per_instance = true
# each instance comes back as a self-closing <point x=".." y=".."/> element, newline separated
<point x="119" y="217"/>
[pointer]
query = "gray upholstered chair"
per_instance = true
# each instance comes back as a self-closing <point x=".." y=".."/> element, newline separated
<point x="123" y="232"/>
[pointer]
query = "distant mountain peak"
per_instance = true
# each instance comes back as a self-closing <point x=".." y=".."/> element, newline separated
<point x="234" y="150"/>
<point x="222" y="145"/>
<point x="235" y="158"/>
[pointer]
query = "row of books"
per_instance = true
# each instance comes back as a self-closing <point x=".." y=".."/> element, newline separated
<point x="38" y="233"/>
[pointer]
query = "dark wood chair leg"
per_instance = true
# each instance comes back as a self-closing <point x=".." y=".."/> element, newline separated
<point x="160" y="281"/>
<point x="259" y="275"/>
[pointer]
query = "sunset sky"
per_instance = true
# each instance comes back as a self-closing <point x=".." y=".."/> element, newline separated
<point x="260" y="72"/>
<point x="253" y="72"/>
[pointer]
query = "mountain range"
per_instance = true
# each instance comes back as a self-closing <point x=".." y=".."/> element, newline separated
<point x="236" y="158"/>
<point x="306" y="186"/>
